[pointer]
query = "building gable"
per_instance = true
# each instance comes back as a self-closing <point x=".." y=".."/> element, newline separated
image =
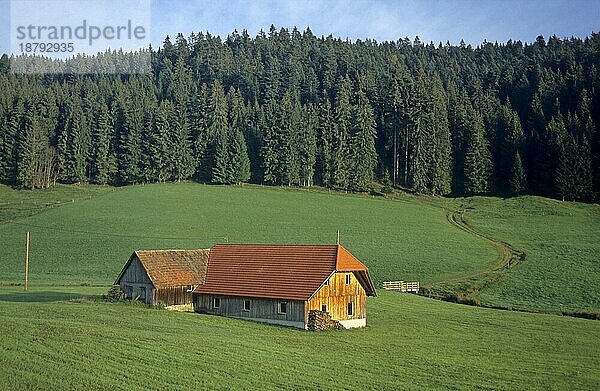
<point x="133" y="272"/>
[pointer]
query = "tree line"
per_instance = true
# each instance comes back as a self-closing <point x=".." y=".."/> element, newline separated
<point x="289" y="108"/>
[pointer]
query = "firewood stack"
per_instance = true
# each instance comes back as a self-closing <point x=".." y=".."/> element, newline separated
<point x="319" y="320"/>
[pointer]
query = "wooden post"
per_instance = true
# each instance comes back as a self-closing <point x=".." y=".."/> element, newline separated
<point x="26" y="260"/>
<point x="338" y="236"/>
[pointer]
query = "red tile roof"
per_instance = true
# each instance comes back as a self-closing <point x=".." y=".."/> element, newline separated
<point x="291" y="272"/>
<point x="168" y="268"/>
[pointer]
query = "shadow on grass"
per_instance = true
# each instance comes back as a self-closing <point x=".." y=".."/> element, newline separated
<point x="41" y="297"/>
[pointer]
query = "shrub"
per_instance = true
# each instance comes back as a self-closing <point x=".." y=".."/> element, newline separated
<point x="115" y="293"/>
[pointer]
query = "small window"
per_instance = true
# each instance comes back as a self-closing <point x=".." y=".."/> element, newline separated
<point x="246" y="305"/>
<point x="324" y="307"/>
<point x="327" y="282"/>
<point x="190" y="288"/>
<point x="282" y="307"/>
<point x="348" y="278"/>
<point x="351" y="309"/>
<point x="216" y="302"/>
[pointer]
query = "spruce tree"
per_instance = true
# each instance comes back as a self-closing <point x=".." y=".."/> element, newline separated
<point x="441" y="156"/>
<point x="158" y="142"/>
<point x="341" y="133"/>
<point x="29" y="147"/>
<point x="288" y="141"/>
<point x="308" y="144"/>
<point x="222" y="172"/>
<point x="129" y="127"/>
<point x="11" y="129"/>
<point x="510" y="144"/>
<point x="100" y="145"/>
<point x="518" y="182"/>
<point x="363" y="157"/>
<point x="477" y="159"/>
<point x="324" y="160"/>
<point x="218" y="157"/>
<point x="78" y="146"/>
<point x="240" y="163"/>
<point x="269" y="150"/>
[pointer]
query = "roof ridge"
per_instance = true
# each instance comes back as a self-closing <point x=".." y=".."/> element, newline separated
<point x="174" y="249"/>
<point x="275" y="245"/>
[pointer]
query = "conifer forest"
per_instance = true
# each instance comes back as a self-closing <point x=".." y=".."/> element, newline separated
<point x="290" y="108"/>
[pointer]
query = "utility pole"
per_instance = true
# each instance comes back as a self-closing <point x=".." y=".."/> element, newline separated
<point x="26" y="260"/>
<point x="338" y="236"/>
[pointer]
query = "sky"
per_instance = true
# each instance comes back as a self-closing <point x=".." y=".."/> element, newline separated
<point x="432" y="20"/>
<point x="382" y="20"/>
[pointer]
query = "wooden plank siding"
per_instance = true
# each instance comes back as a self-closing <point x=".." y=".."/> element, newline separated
<point x="136" y="283"/>
<point x="261" y="309"/>
<point x="176" y="295"/>
<point x="337" y="294"/>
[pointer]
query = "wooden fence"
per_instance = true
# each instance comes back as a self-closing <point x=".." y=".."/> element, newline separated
<point x="402" y="286"/>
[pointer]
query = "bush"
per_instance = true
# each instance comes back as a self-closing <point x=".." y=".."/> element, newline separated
<point x="115" y="293"/>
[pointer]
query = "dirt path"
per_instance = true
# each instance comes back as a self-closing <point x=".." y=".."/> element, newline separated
<point x="465" y="288"/>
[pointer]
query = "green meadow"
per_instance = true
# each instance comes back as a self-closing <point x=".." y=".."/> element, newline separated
<point x="411" y="342"/>
<point x="89" y="239"/>
<point x="60" y="335"/>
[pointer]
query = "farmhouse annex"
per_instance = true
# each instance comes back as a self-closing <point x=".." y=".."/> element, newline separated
<point x="165" y="277"/>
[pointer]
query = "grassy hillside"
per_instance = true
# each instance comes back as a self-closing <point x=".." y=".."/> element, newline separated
<point x="88" y="240"/>
<point x="86" y="233"/>
<point x="561" y="241"/>
<point x="52" y="340"/>
<point x="411" y="343"/>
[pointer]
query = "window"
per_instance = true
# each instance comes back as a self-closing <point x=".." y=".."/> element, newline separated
<point x="351" y="309"/>
<point x="190" y="288"/>
<point x="216" y="302"/>
<point x="327" y="282"/>
<point x="129" y="291"/>
<point x="282" y="307"/>
<point x="348" y="278"/>
<point x="246" y="305"/>
<point x="142" y="296"/>
<point x="324" y="307"/>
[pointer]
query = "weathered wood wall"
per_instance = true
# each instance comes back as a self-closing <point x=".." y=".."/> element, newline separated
<point x="136" y="283"/>
<point x="260" y="308"/>
<point x="337" y="294"/>
<point x="173" y="296"/>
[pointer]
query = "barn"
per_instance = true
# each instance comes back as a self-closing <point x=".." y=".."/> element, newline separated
<point x="281" y="284"/>
<point x="165" y="277"/>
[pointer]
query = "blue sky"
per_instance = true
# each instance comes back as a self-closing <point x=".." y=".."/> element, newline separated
<point x="432" y="20"/>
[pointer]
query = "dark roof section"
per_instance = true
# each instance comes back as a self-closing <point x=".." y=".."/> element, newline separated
<point x="167" y="268"/>
<point x="293" y="272"/>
